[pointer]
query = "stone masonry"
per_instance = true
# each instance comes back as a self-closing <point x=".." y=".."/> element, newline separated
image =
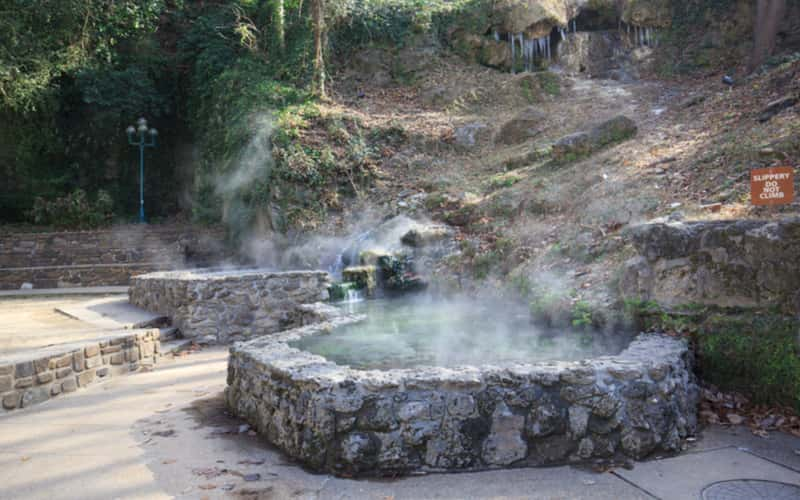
<point x="353" y="422"/>
<point x="746" y="263"/>
<point x="105" y="257"/>
<point x="35" y="377"/>
<point x="219" y="307"/>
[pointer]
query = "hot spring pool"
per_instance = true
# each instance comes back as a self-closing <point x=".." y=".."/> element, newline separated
<point x="409" y="333"/>
<point x="434" y="386"/>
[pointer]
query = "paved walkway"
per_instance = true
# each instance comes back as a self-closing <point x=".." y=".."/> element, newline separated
<point x="56" y="292"/>
<point x="165" y="433"/>
<point x="28" y="323"/>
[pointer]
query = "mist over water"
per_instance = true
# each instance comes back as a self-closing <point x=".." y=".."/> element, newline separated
<point x="426" y="331"/>
<point x="327" y="253"/>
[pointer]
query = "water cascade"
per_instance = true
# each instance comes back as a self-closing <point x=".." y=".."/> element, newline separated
<point x="529" y="50"/>
<point x="641" y="36"/>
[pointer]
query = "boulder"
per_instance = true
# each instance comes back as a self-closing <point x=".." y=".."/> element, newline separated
<point x="472" y="134"/>
<point x="526" y="125"/>
<point x="538" y="17"/>
<point x="535" y="17"/>
<point x="650" y="13"/>
<point x="776" y="106"/>
<point x="425" y="235"/>
<point x="581" y="144"/>
<point x="363" y="277"/>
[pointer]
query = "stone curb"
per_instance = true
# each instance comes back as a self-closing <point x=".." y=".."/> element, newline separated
<point x="32" y="378"/>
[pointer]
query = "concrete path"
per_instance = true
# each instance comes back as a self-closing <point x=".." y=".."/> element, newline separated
<point x="57" y="292"/>
<point x="112" y="312"/>
<point x="30" y="323"/>
<point x="165" y="434"/>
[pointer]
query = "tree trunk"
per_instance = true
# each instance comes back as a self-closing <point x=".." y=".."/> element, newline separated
<point x="769" y="14"/>
<point x="318" y="19"/>
<point x="278" y="19"/>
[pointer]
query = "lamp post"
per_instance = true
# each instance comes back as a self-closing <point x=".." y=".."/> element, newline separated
<point x="143" y="137"/>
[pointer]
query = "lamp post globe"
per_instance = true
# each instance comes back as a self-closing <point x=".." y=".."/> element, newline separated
<point x="141" y="141"/>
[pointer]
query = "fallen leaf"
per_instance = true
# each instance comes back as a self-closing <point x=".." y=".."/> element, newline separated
<point x="207" y="486"/>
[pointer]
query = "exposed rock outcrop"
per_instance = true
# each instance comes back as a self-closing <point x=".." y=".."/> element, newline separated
<point x="650" y="13"/>
<point x="721" y="263"/>
<point x="582" y="144"/>
<point x="526" y="125"/>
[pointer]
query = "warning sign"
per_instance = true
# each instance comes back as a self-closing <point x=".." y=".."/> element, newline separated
<point x="772" y="186"/>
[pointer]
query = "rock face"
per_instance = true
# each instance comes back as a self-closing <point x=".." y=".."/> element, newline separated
<point x="222" y="306"/>
<point x="649" y="13"/>
<point x="721" y="263"/>
<point x="591" y="53"/>
<point x="344" y="421"/>
<point x="582" y="144"/>
<point x="526" y="125"/>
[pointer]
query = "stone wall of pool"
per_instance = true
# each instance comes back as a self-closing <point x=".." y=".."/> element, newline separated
<point x="382" y="422"/>
<point x="219" y="307"/>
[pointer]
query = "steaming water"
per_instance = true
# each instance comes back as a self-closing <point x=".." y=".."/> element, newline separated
<point x="406" y="333"/>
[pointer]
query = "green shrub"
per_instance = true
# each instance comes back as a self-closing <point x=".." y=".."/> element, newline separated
<point x="757" y="355"/>
<point x="74" y="211"/>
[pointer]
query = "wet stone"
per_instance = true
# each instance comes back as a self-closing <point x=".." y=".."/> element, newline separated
<point x="35" y="396"/>
<point x="24" y="369"/>
<point x="23" y="383"/>
<point x="69" y="385"/>
<point x="12" y="400"/>
<point x="505" y="445"/>
<point x="578" y="420"/>
<point x="6" y="383"/>
<point x="85" y="378"/>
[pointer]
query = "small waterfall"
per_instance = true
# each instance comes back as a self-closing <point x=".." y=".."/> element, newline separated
<point x="348" y="254"/>
<point x="529" y="51"/>
<point x="353" y="296"/>
<point x="640" y="36"/>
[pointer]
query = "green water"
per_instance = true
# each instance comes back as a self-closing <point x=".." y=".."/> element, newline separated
<point x="407" y="333"/>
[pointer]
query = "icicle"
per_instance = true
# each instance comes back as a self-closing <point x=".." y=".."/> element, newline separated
<point x="563" y="34"/>
<point x="574" y="26"/>
<point x="513" y="52"/>
<point x="496" y="36"/>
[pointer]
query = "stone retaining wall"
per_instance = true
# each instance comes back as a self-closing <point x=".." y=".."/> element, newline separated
<point x="33" y="378"/>
<point x="104" y="257"/>
<point x="744" y="263"/>
<point x="348" y="422"/>
<point x="218" y="307"/>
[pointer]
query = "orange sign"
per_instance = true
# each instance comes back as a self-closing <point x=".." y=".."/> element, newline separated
<point x="772" y="186"/>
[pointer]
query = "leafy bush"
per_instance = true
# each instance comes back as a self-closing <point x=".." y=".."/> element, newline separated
<point x="757" y="355"/>
<point x="74" y="211"/>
